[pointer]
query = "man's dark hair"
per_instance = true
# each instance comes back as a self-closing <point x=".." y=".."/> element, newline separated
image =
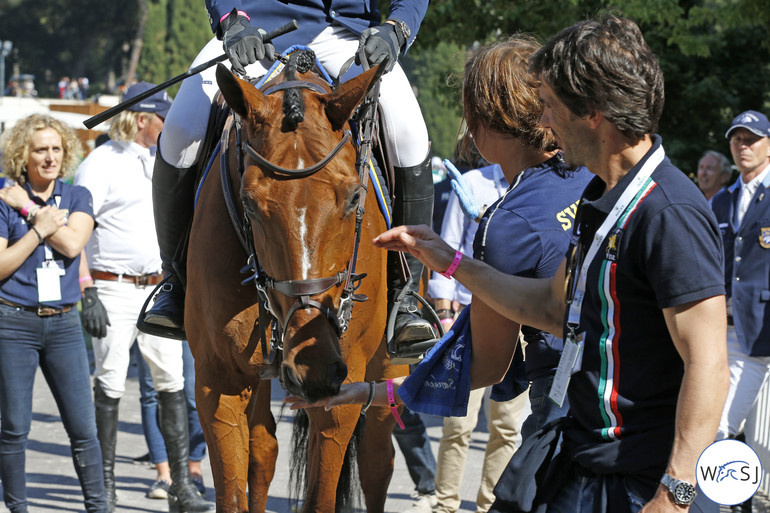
<point x="605" y="65"/>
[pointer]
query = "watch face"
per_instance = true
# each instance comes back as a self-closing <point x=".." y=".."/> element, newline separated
<point x="684" y="493"/>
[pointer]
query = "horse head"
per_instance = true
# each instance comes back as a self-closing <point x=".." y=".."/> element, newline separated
<point x="300" y="191"/>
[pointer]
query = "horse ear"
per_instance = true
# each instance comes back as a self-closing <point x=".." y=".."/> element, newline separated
<point x="246" y="100"/>
<point x="341" y="102"/>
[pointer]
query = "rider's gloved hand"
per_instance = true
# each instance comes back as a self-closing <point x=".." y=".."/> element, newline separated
<point x="95" y="319"/>
<point x="468" y="203"/>
<point x="383" y="43"/>
<point x="243" y="43"/>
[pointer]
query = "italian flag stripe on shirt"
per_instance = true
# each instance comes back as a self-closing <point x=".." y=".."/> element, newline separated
<point x="609" y="352"/>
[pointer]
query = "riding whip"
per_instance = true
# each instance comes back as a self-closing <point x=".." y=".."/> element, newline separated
<point x="117" y="109"/>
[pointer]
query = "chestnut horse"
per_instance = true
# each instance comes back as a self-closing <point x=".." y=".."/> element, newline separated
<point x="299" y="192"/>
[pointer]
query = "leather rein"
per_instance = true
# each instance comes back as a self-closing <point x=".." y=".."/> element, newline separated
<point x="302" y="290"/>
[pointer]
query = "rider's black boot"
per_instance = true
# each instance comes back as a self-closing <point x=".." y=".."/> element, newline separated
<point x="173" y="192"/>
<point x="413" y="204"/>
<point x="107" y="433"/>
<point x="183" y="495"/>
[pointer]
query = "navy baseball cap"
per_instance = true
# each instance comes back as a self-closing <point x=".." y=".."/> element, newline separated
<point x="158" y="103"/>
<point x="752" y="121"/>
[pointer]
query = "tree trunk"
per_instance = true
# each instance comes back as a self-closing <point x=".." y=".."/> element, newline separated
<point x="136" y="50"/>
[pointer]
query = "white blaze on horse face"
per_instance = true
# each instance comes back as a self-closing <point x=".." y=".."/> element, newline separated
<point x="303" y="237"/>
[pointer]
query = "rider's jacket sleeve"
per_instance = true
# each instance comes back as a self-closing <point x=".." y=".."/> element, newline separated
<point x="357" y="15"/>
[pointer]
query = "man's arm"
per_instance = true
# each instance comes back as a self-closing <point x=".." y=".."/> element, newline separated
<point x="699" y="331"/>
<point x="535" y="302"/>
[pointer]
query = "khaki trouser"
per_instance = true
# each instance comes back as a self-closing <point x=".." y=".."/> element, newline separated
<point x="505" y="421"/>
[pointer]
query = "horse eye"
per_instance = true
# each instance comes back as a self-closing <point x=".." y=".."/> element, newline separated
<point x="353" y="201"/>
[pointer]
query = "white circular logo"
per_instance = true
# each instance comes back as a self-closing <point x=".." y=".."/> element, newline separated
<point x="729" y="472"/>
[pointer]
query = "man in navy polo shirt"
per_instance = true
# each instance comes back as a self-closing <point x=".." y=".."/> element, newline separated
<point x="743" y="213"/>
<point x="644" y="365"/>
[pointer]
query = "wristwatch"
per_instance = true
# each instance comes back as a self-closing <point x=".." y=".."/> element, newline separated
<point x="682" y="492"/>
<point x="403" y="32"/>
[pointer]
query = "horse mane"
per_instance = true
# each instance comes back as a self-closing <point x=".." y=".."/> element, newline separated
<point x="293" y="105"/>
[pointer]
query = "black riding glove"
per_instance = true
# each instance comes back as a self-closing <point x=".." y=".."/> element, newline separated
<point x="243" y="43"/>
<point x="95" y="320"/>
<point x="382" y="43"/>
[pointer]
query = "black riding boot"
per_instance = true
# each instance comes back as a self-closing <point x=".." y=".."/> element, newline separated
<point x="183" y="495"/>
<point x="173" y="192"/>
<point x="107" y="433"/>
<point x="413" y="205"/>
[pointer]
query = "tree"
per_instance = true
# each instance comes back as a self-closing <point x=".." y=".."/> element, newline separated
<point x="176" y="31"/>
<point x="697" y="43"/>
<point x="430" y="73"/>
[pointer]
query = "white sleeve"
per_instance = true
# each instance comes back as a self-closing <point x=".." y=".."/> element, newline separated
<point x="93" y="175"/>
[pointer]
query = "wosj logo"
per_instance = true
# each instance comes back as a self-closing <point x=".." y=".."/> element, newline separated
<point x="729" y="472"/>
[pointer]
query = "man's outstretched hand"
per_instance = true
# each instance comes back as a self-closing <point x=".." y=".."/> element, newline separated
<point x="420" y="241"/>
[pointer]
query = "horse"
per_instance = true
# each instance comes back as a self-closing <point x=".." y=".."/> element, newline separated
<point x="301" y="198"/>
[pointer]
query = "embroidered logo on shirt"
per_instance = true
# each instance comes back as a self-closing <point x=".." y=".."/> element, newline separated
<point x="613" y="244"/>
<point x="764" y="237"/>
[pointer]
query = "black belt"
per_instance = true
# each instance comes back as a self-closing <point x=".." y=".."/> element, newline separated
<point x="42" y="311"/>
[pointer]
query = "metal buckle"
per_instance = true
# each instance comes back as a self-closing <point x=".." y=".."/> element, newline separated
<point x="46" y="311"/>
<point x="141" y="280"/>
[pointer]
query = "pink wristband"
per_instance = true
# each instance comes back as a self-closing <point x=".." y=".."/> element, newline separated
<point x="453" y="266"/>
<point x="392" y="404"/>
<point x="240" y="13"/>
<point x="25" y="210"/>
<point x="84" y="278"/>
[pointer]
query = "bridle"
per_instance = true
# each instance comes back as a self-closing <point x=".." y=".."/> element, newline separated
<point x="301" y="290"/>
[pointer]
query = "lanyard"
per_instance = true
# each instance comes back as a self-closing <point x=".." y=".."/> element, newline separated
<point x="489" y="219"/>
<point x="576" y="304"/>
<point x="46" y="247"/>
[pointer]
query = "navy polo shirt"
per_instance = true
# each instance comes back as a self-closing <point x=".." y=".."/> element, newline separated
<point x="527" y="236"/>
<point x="667" y="252"/>
<point x="21" y="286"/>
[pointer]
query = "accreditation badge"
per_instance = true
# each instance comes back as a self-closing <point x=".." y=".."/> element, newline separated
<point x="49" y="281"/>
<point x="764" y="237"/>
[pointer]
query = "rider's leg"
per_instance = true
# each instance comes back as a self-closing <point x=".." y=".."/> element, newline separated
<point x="408" y="146"/>
<point x="173" y="182"/>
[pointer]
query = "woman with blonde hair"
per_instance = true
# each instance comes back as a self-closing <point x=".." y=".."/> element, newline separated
<point x="44" y="225"/>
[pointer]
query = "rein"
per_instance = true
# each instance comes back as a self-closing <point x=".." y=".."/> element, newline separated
<point x="302" y="290"/>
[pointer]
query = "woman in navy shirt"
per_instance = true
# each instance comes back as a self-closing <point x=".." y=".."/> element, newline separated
<point x="44" y="225"/>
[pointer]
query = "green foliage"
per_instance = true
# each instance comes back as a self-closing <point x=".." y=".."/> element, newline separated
<point x="55" y="38"/>
<point x="430" y="73"/>
<point x="714" y="55"/>
<point x="176" y="30"/>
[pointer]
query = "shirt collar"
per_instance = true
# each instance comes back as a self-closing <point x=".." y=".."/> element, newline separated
<point x="594" y="193"/>
<point x="751" y="187"/>
<point x="57" y="186"/>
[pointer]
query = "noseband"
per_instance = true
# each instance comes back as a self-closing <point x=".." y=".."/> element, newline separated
<point x="301" y="290"/>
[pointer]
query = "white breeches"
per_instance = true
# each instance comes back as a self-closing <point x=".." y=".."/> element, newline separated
<point x="185" y="126"/>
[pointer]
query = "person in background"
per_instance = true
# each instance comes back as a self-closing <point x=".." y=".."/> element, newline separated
<point x="414" y="443"/>
<point x="124" y="260"/>
<point x="335" y="30"/>
<point x="714" y="171"/>
<point x="742" y="211"/>
<point x="153" y="435"/>
<point x="44" y="225"/>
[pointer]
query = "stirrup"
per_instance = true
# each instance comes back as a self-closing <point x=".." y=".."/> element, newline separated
<point x="156" y="329"/>
<point x="409" y="353"/>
